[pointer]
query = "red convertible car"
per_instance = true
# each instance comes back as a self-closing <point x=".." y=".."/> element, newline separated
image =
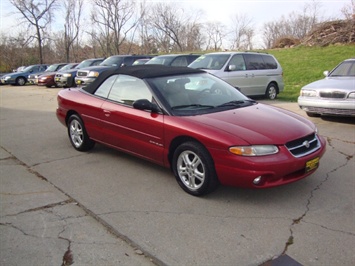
<point x="204" y="129"/>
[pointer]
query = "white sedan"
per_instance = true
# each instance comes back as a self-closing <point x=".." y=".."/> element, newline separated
<point x="333" y="95"/>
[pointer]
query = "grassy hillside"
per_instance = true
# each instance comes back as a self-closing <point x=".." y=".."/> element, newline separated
<point x="302" y="65"/>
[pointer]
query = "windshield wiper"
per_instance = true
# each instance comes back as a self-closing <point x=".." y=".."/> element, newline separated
<point x="237" y="103"/>
<point x="232" y="103"/>
<point x="192" y="105"/>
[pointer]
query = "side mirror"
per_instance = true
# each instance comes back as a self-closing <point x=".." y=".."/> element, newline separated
<point x="144" y="104"/>
<point x="326" y="73"/>
<point x="232" y="67"/>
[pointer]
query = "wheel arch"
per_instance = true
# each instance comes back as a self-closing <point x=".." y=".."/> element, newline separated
<point x="19" y="77"/>
<point x="69" y="114"/>
<point x="176" y="142"/>
<point x="276" y="86"/>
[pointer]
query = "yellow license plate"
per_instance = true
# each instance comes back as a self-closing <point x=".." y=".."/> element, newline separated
<point x="312" y="164"/>
<point x="57" y="79"/>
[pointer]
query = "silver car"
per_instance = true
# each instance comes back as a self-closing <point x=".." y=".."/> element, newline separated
<point x="252" y="73"/>
<point x="334" y="95"/>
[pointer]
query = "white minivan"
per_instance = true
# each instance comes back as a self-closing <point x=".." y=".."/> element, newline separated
<point x="252" y="73"/>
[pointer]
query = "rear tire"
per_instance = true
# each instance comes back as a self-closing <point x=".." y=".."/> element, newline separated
<point x="194" y="170"/>
<point x="271" y="91"/>
<point x="77" y="134"/>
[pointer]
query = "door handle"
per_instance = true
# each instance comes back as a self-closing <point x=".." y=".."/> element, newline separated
<point x="107" y="113"/>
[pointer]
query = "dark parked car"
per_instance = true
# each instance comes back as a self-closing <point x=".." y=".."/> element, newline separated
<point x="334" y="95"/>
<point x="20" y="78"/>
<point x="33" y="78"/>
<point x="47" y="78"/>
<point x="67" y="78"/>
<point x="87" y="75"/>
<point x="198" y="125"/>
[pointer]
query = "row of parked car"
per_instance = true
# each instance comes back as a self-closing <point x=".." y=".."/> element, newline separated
<point x="252" y="73"/>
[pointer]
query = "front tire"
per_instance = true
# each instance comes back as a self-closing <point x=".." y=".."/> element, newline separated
<point x="271" y="91"/>
<point x="77" y="134"/>
<point x="194" y="170"/>
<point x="20" y="81"/>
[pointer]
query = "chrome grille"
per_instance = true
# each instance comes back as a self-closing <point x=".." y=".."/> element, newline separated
<point x="81" y="73"/>
<point x="333" y="94"/>
<point x="303" y="146"/>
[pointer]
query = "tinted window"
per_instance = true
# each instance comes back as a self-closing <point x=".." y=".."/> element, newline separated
<point x="270" y="62"/>
<point x="128" y="61"/>
<point x="180" y="61"/>
<point x="254" y="61"/>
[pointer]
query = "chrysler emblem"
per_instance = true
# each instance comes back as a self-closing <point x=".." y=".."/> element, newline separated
<point x="306" y="144"/>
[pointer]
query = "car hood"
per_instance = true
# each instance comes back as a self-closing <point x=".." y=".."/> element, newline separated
<point x="258" y="124"/>
<point x="333" y="83"/>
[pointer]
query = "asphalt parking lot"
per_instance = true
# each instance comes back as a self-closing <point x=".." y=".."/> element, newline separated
<point x="103" y="207"/>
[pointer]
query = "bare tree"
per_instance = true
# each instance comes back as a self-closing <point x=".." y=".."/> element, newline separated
<point x="215" y="34"/>
<point x="37" y="14"/>
<point x="349" y="11"/>
<point x="242" y="32"/>
<point x="73" y="12"/>
<point x="114" y="20"/>
<point x="174" y="29"/>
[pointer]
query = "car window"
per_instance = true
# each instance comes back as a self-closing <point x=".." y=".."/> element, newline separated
<point x="96" y="63"/>
<point x="127" y="89"/>
<point x="128" y="61"/>
<point x="179" y="61"/>
<point x="238" y="61"/>
<point x="270" y="62"/>
<point x="254" y="61"/>
<point x="211" y="61"/>
<point x="105" y="87"/>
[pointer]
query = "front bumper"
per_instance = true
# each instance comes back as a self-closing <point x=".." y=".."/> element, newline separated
<point x="83" y="81"/>
<point x="274" y="170"/>
<point x="344" y="107"/>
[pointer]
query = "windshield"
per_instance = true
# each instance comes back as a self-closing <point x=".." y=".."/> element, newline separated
<point x="112" y="61"/>
<point x="195" y="94"/>
<point x="66" y="67"/>
<point x="160" y="60"/>
<point x="51" y="68"/>
<point x="27" y="69"/>
<point x="85" y="63"/>
<point x="345" y="69"/>
<point x="210" y="61"/>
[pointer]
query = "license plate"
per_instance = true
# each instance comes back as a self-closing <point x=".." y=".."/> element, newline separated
<point x="312" y="164"/>
<point x="57" y="79"/>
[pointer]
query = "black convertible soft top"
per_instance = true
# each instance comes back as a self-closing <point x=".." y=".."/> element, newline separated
<point x="141" y="71"/>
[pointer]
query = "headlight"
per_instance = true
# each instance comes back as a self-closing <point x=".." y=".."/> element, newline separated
<point x="308" y="93"/>
<point x="255" y="150"/>
<point x="351" y="95"/>
<point x="7" y="77"/>
<point x="93" y="74"/>
<point x="67" y="75"/>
